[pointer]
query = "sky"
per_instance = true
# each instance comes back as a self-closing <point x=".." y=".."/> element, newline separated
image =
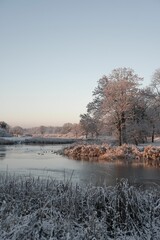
<point x="53" y="52"/>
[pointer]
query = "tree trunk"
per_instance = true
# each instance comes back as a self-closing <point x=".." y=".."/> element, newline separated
<point x="153" y="131"/>
<point x="120" y="138"/>
<point x="123" y="126"/>
<point x="119" y="133"/>
<point x="136" y="142"/>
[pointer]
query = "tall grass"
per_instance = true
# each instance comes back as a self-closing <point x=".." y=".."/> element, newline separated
<point x="36" y="208"/>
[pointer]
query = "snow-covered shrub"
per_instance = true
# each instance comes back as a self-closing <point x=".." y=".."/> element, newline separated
<point x="152" y="155"/>
<point x="103" y="152"/>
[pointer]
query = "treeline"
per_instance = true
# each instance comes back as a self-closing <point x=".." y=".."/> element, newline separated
<point x="72" y="129"/>
<point x="67" y="128"/>
<point x="124" y="108"/>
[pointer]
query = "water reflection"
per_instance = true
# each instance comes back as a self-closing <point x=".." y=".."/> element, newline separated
<point x="111" y="173"/>
<point x="2" y="152"/>
<point x="42" y="161"/>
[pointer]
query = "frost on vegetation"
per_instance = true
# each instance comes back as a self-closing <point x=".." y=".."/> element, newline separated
<point x="130" y="153"/>
<point x="35" y="208"/>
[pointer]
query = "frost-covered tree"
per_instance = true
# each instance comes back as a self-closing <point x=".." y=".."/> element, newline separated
<point x="66" y="128"/>
<point x="94" y="108"/>
<point x="156" y="81"/>
<point x="138" y="125"/>
<point x="154" y="110"/>
<point x="120" y="94"/>
<point x="89" y="125"/>
<point x="114" y="98"/>
<point x="76" y="129"/>
<point x="17" y="130"/>
<point x="42" y="129"/>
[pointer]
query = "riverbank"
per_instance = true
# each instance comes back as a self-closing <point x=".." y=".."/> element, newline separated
<point x="36" y="140"/>
<point x="35" y="208"/>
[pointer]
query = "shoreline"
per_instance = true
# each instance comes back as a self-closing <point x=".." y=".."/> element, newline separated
<point x="36" y="140"/>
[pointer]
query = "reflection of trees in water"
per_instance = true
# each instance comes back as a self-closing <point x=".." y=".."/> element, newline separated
<point x="2" y="152"/>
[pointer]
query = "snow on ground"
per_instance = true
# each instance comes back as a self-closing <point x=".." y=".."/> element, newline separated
<point x="156" y="142"/>
<point x="16" y="139"/>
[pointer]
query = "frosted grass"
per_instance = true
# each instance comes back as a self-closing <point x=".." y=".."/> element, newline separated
<point x="37" y="208"/>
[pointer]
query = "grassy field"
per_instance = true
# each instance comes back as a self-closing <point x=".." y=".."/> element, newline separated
<point x="36" y="208"/>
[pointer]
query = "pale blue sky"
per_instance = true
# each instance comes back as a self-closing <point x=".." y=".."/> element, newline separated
<point x="53" y="52"/>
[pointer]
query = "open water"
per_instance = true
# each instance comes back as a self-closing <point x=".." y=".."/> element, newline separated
<point x="42" y="161"/>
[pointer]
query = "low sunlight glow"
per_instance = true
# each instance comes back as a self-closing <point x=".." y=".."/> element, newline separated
<point x="52" y="53"/>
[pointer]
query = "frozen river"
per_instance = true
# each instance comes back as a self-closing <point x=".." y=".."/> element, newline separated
<point x="42" y="161"/>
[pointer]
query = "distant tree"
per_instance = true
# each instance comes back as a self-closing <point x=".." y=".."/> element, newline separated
<point x="58" y="130"/>
<point x="42" y="129"/>
<point x="138" y="129"/>
<point x="3" y="125"/>
<point x="156" y="81"/>
<point x="94" y="108"/>
<point x="153" y="114"/>
<point x="84" y="122"/>
<point x="66" y="128"/>
<point x="89" y="125"/>
<point x="76" y="129"/>
<point x="154" y="110"/>
<point x="17" y="130"/>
